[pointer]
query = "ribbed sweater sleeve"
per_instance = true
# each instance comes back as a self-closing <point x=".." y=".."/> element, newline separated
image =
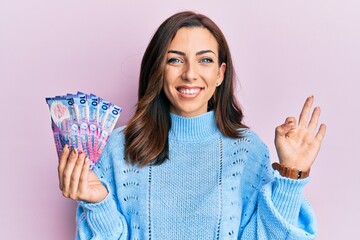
<point x="281" y="211"/>
<point x="102" y="220"/>
<point x="287" y="197"/>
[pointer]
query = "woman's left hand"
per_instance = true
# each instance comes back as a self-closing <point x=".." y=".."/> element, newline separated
<point x="298" y="145"/>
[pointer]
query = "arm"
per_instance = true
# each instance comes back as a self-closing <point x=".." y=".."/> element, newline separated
<point x="281" y="212"/>
<point x="275" y="207"/>
<point x="100" y="220"/>
<point x="97" y="215"/>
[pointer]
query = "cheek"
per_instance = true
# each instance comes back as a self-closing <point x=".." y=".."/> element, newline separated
<point x="168" y="77"/>
<point x="166" y="89"/>
<point x="212" y="77"/>
<point x="167" y="86"/>
<point x="167" y="82"/>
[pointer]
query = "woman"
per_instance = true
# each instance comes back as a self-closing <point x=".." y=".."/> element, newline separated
<point x="186" y="167"/>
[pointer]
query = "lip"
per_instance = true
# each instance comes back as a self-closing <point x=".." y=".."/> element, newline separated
<point x="188" y="87"/>
<point x="184" y="95"/>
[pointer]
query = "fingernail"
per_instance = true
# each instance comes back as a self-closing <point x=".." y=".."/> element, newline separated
<point x="73" y="151"/>
<point x="87" y="159"/>
<point x="290" y="123"/>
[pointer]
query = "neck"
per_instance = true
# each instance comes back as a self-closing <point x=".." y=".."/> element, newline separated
<point x="193" y="128"/>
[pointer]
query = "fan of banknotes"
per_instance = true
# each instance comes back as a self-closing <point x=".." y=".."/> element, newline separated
<point x="82" y="121"/>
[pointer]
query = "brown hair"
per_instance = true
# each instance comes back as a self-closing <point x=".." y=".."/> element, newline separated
<point x="146" y="135"/>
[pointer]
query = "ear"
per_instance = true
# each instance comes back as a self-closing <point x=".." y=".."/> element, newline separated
<point x="221" y="74"/>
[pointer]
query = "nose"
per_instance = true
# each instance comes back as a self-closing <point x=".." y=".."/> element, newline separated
<point x="190" y="72"/>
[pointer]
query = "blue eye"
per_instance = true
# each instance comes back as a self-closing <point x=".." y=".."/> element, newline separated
<point x="207" y="60"/>
<point x="174" y="60"/>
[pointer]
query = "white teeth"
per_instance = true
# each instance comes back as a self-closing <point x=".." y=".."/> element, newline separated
<point x="189" y="91"/>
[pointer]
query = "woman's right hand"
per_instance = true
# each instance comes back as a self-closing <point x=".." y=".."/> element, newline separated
<point x="76" y="180"/>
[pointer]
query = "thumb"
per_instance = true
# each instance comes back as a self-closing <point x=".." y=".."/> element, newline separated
<point x="286" y="127"/>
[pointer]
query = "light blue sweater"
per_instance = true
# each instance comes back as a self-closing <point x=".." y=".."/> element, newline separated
<point x="212" y="187"/>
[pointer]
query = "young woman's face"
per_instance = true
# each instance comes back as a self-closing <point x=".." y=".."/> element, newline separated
<point x="192" y="71"/>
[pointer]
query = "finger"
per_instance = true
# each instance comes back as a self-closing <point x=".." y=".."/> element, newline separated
<point x="314" y="119"/>
<point x="68" y="171"/>
<point x="84" y="177"/>
<point x="62" y="162"/>
<point x="304" y="115"/>
<point x="74" y="179"/>
<point x="285" y="128"/>
<point x="321" y="133"/>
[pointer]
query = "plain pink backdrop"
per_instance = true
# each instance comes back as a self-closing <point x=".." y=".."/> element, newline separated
<point x="283" y="52"/>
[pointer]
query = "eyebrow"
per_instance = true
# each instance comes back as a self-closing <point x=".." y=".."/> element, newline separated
<point x="198" y="53"/>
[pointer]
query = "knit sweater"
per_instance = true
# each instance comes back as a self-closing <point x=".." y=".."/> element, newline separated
<point x="211" y="187"/>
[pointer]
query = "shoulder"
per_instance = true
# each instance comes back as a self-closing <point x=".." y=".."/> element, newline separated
<point x="117" y="137"/>
<point x="249" y="140"/>
<point x="254" y="140"/>
<point x="118" y="132"/>
<point x="249" y="149"/>
<point x="258" y="156"/>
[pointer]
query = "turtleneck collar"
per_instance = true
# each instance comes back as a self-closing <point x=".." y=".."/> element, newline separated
<point x="196" y="128"/>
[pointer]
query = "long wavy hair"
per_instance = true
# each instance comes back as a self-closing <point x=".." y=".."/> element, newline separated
<point x="146" y="135"/>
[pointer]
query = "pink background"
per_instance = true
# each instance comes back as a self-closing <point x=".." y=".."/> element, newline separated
<point x="283" y="51"/>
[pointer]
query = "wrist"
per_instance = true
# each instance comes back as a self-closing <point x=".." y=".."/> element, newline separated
<point x="289" y="172"/>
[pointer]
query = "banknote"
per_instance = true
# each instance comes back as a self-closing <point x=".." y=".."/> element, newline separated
<point x="82" y="121"/>
<point x="60" y="121"/>
<point x="93" y="124"/>
<point x="103" y="112"/>
<point x="74" y="136"/>
<point x="107" y="127"/>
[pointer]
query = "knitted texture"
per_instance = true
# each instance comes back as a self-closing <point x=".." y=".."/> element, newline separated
<point x="211" y="187"/>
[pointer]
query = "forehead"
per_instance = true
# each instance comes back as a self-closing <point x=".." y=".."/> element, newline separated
<point x="193" y="39"/>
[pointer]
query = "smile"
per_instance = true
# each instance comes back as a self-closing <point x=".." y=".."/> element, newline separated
<point x="189" y="92"/>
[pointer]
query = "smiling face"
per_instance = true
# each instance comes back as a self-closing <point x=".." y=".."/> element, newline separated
<point x="192" y="71"/>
